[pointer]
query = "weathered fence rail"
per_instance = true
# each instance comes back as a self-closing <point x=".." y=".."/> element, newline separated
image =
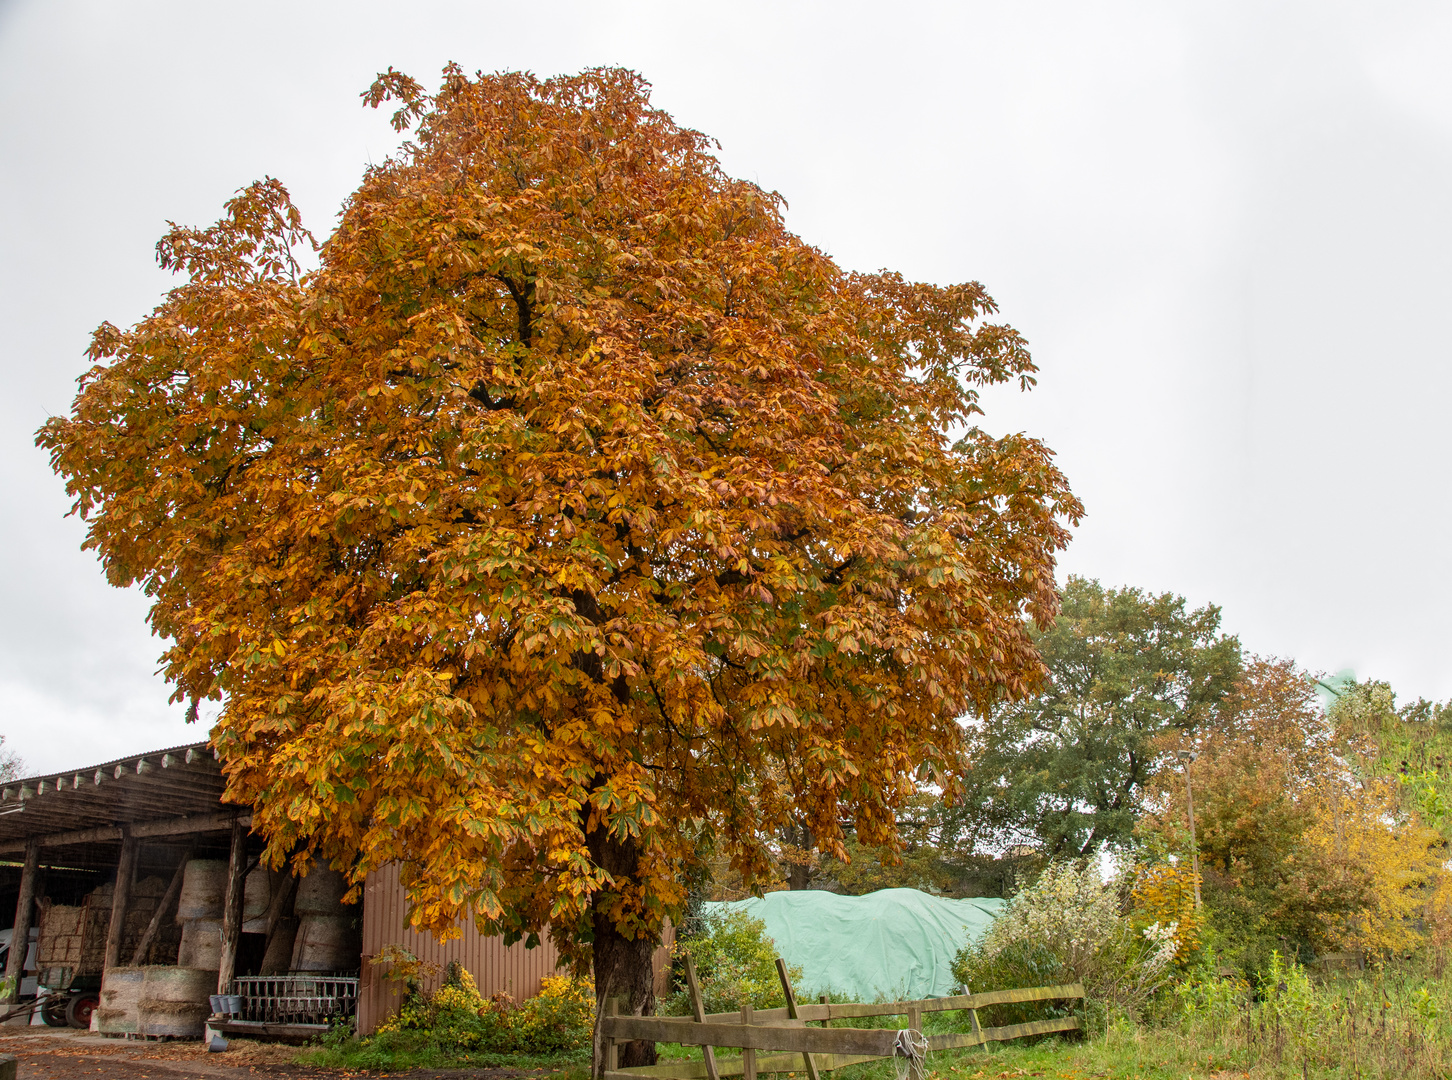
<point x="809" y="1049"/>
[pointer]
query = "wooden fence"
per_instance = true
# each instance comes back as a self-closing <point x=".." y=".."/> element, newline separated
<point x="810" y="1049"/>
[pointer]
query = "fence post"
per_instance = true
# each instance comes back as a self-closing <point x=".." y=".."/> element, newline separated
<point x="698" y="1009"/>
<point x="612" y="1051"/>
<point x="823" y="999"/>
<point x="791" y="1003"/>
<point x="748" y="1055"/>
<point x="915" y="1018"/>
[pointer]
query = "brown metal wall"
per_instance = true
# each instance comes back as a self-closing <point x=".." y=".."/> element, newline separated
<point x="515" y="970"/>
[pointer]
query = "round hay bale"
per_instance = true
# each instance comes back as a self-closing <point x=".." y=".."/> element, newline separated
<point x="278" y="957"/>
<point x="120" y="1001"/>
<point x="184" y="984"/>
<point x="256" y="893"/>
<point x="117" y="1021"/>
<point x="321" y="893"/>
<point x="327" y="943"/>
<point x="178" y="1019"/>
<point x="201" y="944"/>
<point x="256" y="898"/>
<point x="122" y="984"/>
<point x="204" y="883"/>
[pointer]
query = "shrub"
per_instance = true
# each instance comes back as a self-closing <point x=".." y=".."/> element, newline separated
<point x="1164" y="895"/>
<point x="735" y="965"/>
<point x="560" y="1017"/>
<point x="457" y="1017"/>
<point x="1010" y="966"/>
<point x="1066" y="927"/>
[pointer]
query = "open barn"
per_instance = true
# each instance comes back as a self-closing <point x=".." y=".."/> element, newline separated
<point x="153" y="916"/>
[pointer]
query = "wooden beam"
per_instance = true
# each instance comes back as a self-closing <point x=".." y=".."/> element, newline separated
<point x="297" y="1032"/>
<point x="177" y="826"/>
<point x="783" y="1063"/>
<point x="612" y="1048"/>
<point x="849" y="1010"/>
<point x="878" y="1042"/>
<point x="24" y="911"/>
<point x="120" y="898"/>
<point x="232" y="907"/>
<point x="733" y="1066"/>
<point x="168" y="898"/>
<point x="283" y="882"/>
<point x="955" y="1041"/>
<point x="748" y="1055"/>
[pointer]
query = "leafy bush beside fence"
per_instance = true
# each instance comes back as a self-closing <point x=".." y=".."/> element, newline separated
<point x="735" y="964"/>
<point x="1067" y="927"/>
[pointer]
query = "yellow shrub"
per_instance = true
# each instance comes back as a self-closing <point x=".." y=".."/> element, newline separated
<point x="559" y="1017"/>
<point x="567" y="989"/>
<point x="1165" y="894"/>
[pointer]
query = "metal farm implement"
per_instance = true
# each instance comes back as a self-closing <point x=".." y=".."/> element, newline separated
<point x="792" y="1046"/>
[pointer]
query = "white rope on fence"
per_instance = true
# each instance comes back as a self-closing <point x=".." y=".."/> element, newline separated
<point x="910" y="1055"/>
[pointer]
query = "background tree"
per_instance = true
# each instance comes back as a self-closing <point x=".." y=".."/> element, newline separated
<point x="1411" y="744"/>
<point x="1065" y="769"/>
<point x="572" y="519"/>
<point x="915" y="863"/>
<point x="1297" y="852"/>
<point x="12" y="767"/>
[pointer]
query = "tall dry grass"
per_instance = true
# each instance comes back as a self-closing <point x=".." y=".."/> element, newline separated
<point x="1394" y="1020"/>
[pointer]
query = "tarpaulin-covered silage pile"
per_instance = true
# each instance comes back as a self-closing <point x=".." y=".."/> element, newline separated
<point x="894" y="944"/>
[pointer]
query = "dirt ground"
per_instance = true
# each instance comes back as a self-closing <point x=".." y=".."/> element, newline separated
<point x="61" y="1055"/>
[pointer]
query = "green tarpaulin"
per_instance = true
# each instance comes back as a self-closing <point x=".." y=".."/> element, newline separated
<point x="894" y="944"/>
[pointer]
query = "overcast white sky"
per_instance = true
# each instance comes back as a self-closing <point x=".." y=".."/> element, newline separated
<point x="1224" y="227"/>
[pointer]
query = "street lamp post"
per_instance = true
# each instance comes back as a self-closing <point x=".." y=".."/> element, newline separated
<point x="1188" y="757"/>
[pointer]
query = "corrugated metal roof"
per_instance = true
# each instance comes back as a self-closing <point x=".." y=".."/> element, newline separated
<point x="174" y="782"/>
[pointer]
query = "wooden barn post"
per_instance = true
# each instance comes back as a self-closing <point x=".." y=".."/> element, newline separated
<point x="120" y="900"/>
<point x="24" y="912"/>
<point x="232" y="906"/>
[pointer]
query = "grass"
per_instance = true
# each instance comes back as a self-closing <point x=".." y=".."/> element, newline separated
<point x="1393" y="1022"/>
<point x="400" y="1050"/>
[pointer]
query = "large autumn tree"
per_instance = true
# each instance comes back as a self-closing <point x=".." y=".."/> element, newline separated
<point x="571" y="519"/>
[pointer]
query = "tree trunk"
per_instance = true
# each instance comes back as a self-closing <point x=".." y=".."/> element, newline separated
<point x="622" y="965"/>
<point x="799" y="873"/>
